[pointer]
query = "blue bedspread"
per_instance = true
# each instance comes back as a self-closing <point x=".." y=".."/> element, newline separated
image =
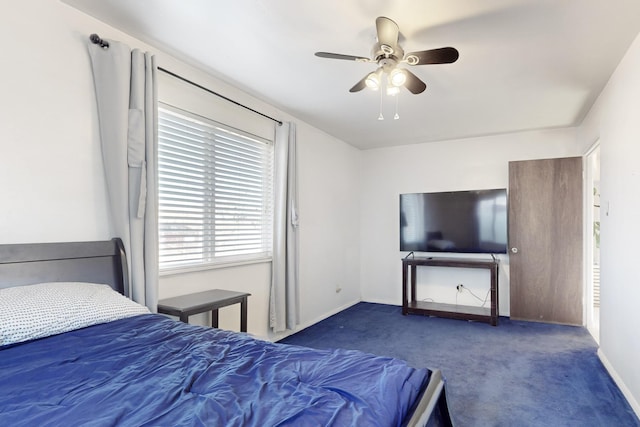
<point x="152" y="371"/>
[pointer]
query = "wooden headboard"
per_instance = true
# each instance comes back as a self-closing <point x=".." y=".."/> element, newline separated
<point x="97" y="262"/>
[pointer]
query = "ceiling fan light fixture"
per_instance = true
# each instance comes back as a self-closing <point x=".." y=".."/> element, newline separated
<point x="373" y="80"/>
<point x="393" y="90"/>
<point x="397" y="77"/>
<point x="389" y="54"/>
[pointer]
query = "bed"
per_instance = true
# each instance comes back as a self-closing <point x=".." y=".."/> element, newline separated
<point x="75" y="351"/>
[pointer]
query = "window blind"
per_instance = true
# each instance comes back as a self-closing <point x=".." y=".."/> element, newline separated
<point x="215" y="191"/>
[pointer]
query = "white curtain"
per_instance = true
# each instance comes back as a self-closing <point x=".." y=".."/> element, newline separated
<point x="284" y="310"/>
<point x="126" y="93"/>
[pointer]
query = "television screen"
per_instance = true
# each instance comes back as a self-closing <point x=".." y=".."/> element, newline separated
<point x="457" y="221"/>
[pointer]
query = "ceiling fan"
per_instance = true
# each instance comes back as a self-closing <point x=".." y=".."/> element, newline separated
<point x="388" y="54"/>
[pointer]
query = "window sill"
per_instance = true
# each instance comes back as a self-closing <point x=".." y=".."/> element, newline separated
<point x="219" y="265"/>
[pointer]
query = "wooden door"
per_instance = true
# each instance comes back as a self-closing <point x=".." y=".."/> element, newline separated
<point x="545" y="240"/>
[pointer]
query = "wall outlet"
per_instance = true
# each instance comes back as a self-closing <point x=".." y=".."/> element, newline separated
<point x="459" y="287"/>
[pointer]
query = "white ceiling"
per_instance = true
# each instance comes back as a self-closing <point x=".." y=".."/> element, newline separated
<point x="524" y="64"/>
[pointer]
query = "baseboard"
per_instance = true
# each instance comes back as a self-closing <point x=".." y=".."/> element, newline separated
<point x="326" y="315"/>
<point x="621" y="385"/>
<point x="302" y="326"/>
<point x="381" y="301"/>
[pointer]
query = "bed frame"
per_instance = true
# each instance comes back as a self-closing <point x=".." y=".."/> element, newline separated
<point x="433" y="399"/>
<point x="105" y="262"/>
<point x="98" y="262"/>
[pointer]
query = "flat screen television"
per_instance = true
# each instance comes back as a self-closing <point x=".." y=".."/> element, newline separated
<point x="455" y="221"/>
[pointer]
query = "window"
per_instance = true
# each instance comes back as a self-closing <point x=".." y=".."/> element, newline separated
<point x="215" y="192"/>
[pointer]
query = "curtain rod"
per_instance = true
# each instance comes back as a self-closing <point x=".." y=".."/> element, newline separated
<point x="95" y="39"/>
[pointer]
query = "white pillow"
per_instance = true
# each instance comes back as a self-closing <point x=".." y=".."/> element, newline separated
<point x="37" y="311"/>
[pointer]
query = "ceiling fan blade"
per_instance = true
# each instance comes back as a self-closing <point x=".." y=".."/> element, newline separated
<point x="413" y="83"/>
<point x="387" y="32"/>
<point x="360" y="85"/>
<point x="444" y="55"/>
<point x="340" y="56"/>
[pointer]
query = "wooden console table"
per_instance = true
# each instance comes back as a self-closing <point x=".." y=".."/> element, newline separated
<point x="413" y="306"/>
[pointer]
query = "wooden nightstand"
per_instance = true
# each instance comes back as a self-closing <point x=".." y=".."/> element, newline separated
<point x="187" y="305"/>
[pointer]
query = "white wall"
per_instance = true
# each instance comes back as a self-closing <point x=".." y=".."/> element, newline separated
<point x="615" y="120"/>
<point x="51" y="182"/>
<point x="466" y="164"/>
<point x="51" y="173"/>
<point x="329" y="192"/>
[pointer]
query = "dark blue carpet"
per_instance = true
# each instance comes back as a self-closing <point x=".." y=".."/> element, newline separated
<point x="515" y="374"/>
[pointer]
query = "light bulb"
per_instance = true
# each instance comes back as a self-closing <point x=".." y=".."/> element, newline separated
<point x="397" y="77"/>
<point x="373" y="81"/>
<point x="393" y="90"/>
